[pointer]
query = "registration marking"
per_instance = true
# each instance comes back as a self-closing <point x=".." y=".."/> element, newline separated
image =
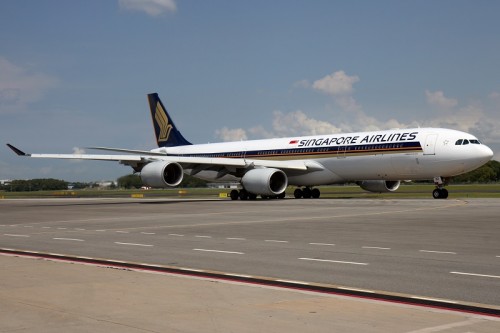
<point x="335" y="261"/>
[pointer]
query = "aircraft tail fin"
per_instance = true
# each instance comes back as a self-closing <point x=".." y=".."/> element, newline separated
<point x="167" y="134"/>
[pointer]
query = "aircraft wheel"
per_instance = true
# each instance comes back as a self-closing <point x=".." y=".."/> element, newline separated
<point x="306" y="193"/>
<point x="252" y="196"/>
<point x="282" y="195"/>
<point x="234" y="195"/>
<point x="297" y="193"/>
<point x="315" y="193"/>
<point x="243" y="194"/>
<point x="436" y="194"/>
<point x="444" y="193"/>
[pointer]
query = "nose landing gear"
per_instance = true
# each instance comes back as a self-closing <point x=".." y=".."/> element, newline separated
<point x="440" y="192"/>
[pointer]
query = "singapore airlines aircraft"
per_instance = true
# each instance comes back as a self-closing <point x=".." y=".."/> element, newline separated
<point x="376" y="161"/>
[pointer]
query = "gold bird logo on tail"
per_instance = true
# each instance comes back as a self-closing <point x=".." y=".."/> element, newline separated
<point x="162" y="121"/>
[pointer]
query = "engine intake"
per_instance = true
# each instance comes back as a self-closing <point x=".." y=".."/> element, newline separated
<point x="267" y="181"/>
<point x="379" y="186"/>
<point x="162" y="174"/>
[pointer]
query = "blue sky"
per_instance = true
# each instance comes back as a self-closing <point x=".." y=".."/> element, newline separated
<point x="75" y="74"/>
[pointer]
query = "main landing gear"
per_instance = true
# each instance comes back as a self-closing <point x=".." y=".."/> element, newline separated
<point x="439" y="192"/>
<point x="245" y="195"/>
<point x="306" y="193"/>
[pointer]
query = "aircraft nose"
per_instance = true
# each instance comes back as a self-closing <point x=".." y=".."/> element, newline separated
<point x="486" y="152"/>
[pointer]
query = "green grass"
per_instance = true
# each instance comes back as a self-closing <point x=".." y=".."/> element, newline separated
<point x="405" y="191"/>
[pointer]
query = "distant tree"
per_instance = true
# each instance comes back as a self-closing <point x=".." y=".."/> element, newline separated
<point x="488" y="173"/>
<point x="192" y="182"/>
<point x="48" y="184"/>
<point x="130" y="181"/>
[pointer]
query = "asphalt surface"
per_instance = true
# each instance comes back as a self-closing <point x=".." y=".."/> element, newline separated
<point x="447" y="249"/>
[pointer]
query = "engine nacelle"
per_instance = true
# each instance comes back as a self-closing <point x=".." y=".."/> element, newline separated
<point x="162" y="174"/>
<point x="267" y="181"/>
<point x="379" y="186"/>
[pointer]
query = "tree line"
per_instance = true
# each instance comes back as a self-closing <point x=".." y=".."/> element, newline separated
<point x="488" y="173"/>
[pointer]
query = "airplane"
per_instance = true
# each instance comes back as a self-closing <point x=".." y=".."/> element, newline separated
<point x="377" y="161"/>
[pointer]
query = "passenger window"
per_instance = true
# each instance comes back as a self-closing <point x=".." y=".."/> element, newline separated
<point x="459" y="142"/>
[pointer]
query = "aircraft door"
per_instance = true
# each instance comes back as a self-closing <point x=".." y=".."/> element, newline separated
<point x="430" y="144"/>
<point x="341" y="151"/>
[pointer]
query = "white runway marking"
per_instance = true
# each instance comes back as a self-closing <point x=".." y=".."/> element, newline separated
<point x="446" y="327"/>
<point x="335" y="261"/>
<point x="376" y="248"/>
<point x="134" y="244"/>
<point x="218" y="251"/>
<point x="200" y="236"/>
<point x="475" y="274"/>
<point x="236" y="238"/>
<point x="275" y="241"/>
<point x="70" y="239"/>
<point x="14" y="235"/>
<point x="178" y="235"/>
<point x="122" y="232"/>
<point x="148" y="233"/>
<point x="322" y="244"/>
<point x="441" y="252"/>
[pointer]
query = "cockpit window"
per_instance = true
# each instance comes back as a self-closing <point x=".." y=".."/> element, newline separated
<point x="461" y="142"/>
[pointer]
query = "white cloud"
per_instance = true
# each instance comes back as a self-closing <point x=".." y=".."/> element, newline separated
<point x="226" y="134"/>
<point x="150" y="7"/>
<point x="337" y="83"/>
<point x="78" y="151"/>
<point x="20" y="86"/>
<point x="437" y="99"/>
<point x="298" y="123"/>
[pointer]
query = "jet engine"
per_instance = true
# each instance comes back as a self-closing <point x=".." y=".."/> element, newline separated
<point x="266" y="181"/>
<point x="379" y="185"/>
<point x="162" y="174"/>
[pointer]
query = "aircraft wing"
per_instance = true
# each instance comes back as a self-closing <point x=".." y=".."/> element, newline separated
<point x="136" y="157"/>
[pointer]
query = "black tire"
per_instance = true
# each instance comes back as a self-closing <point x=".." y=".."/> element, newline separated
<point x="444" y="193"/>
<point x="307" y="193"/>
<point x="252" y="196"/>
<point x="234" y="195"/>
<point x="282" y="195"/>
<point x="436" y="194"/>
<point x="243" y="194"/>
<point x="298" y="193"/>
<point x="315" y="193"/>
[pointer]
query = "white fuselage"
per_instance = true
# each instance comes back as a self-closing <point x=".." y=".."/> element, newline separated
<point x="407" y="154"/>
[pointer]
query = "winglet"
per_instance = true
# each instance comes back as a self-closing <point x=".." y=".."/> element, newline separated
<point x="17" y="151"/>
